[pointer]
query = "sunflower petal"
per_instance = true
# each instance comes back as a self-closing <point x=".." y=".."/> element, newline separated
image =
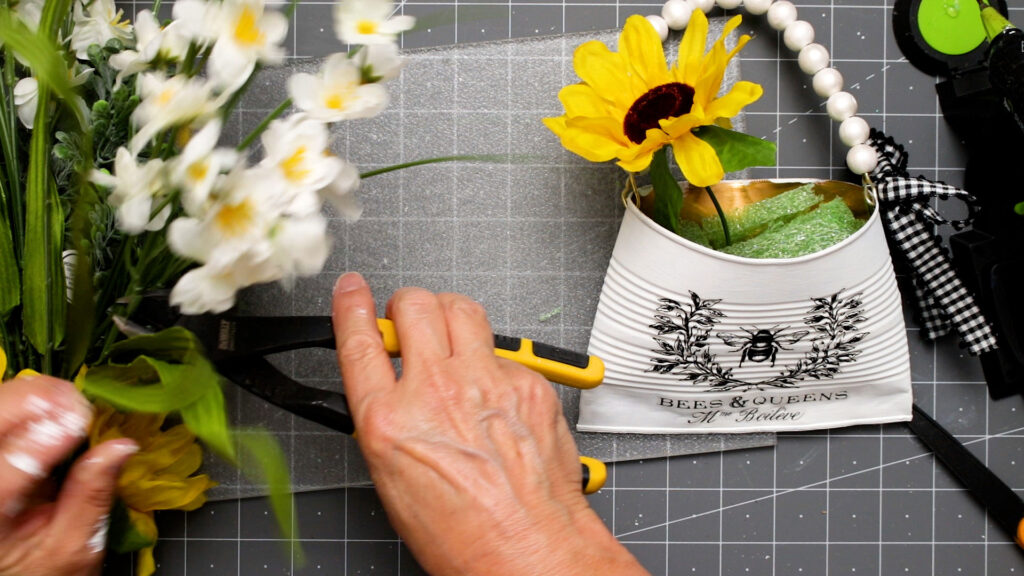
<point x="583" y="100"/>
<point x="691" y="49"/>
<point x="640" y="46"/>
<point x="596" y="139"/>
<point x="605" y="71"/>
<point x="697" y="160"/>
<point x="727" y="106"/>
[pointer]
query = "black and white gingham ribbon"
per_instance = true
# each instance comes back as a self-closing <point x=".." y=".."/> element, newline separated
<point x="942" y="300"/>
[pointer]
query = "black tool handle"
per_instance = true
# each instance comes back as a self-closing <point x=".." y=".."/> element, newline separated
<point x="1002" y="503"/>
<point x="1006" y="70"/>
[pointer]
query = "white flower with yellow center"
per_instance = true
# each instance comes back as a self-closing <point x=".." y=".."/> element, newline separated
<point x="246" y="33"/>
<point x="153" y="43"/>
<point x="337" y="92"/>
<point x="244" y="239"/>
<point x="298" y="159"/>
<point x="97" y="22"/>
<point x="381" y="61"/>
<point x="369" y="22"/>
<point x="341" y="193"/>
<point x="136" y="192"/>
<point x="196" y="169"/>
<point x="168" y="102"/>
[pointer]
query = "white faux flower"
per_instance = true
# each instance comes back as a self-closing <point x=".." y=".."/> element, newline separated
<point x="238" y="221"/>
<point x="153" y="42"/>
<point x="167" y="102"/>
<point x="369" y="22"/>
<point x="244" y="238"/>
<point x="26" y="99"/>
<point x="246" y="33"/>
<point x="29" y="12"/>
<point x="197" y="168"/>
<point x="26" y="95"/>
<point x="337" y="92"/>
<point x="204" y="290"/>
<point x="136" y="190"/>
<point x="341" y="193"/>
<point x="298" y="158"/>
<point x="382" y="61"/>
<point x="96" y="22"/>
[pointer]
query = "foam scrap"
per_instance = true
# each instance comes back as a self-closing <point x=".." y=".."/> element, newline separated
<point x="693" y="232"/>
<point x="807" y="233"/>
<point x="752" y="219"/>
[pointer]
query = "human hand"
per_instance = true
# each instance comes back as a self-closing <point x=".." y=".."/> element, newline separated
<point x="470" y="453"/>
<point x="42" y="420"/>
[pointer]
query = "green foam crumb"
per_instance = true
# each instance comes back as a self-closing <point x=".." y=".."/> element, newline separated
<point x="693" y="232"/>
<point x="759" y="217"/>
<point x="807" y="233"/>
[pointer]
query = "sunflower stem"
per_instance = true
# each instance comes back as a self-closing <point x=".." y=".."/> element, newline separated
<point x="721" y="215"/>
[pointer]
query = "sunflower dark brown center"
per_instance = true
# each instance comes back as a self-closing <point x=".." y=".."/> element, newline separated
<point x="660" y="102"/>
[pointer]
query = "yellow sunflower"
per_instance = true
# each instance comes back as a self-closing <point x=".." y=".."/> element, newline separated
<point x="158" y="477"/>
<point x="631" y="103"/>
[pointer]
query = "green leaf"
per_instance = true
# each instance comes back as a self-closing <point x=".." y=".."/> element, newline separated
<point x="10" y="276"/>
<point x="41" y="53"/>
<point x="668" y="196"/>
<point x="126" y="536"/>
<point x="162" y="372"/>
<point x="42" y="213"/>
<point x="264" y="462"/>
<point x="207" y="418"/>
<point x="81" y="317"/>
<point x="737" y="150"/>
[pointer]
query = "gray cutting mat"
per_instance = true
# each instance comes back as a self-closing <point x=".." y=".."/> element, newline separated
<point x="861" y="500"/>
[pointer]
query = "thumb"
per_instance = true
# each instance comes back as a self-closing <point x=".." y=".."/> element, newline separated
<point x="83" y="507"/>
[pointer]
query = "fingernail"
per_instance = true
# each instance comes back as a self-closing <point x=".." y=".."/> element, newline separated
<point x="98" y="542"/>
<point x="348" y="282"/>
<point x="27" y="464"/>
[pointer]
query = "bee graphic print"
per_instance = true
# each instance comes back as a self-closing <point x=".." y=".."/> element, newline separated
<point x="687" y="343"/>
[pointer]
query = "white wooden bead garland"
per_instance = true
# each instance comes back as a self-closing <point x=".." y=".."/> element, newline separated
<point x="813" y="58"/>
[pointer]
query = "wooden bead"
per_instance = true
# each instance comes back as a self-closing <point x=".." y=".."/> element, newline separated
<point x="841" y="106"/>
<point x="861" y="159"/>
<point x="704" y="6"/>
<point x="677" y="13"/>
<point x="827" y="82"/>
<point x="781" y="14"/>
<point x="854" y="130"/>
<point x="797" y="35"/>
<point x="659" y="25"/>
<point x="813" y="58"/>
<point x="757" y="7"/>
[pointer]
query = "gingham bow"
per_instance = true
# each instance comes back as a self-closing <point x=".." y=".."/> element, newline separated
<point x="942" y="300"/>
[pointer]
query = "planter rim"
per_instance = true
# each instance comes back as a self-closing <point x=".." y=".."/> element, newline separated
<point x="648" y="222"/>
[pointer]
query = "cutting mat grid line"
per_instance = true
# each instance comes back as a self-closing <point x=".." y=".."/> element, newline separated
<point x="867" y="500"/>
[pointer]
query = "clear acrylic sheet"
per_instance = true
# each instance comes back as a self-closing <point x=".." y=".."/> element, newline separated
<point x="529" y="238"/>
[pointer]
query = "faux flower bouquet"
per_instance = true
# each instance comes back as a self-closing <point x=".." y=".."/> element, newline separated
<point x="113" y="184"/>
<point x="631" y="105"/>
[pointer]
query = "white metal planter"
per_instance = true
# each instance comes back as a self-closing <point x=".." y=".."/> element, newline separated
<point x="695" y="340"/>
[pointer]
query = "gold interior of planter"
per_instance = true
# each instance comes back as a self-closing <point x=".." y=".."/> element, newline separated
<point x="734" y="194"/>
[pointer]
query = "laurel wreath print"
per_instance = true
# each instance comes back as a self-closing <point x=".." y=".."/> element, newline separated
<point x="684" y="332"/>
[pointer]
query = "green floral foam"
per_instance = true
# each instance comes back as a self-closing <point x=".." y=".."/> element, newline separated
<point x="756" y="218"/>
<point x="806" y="233"/>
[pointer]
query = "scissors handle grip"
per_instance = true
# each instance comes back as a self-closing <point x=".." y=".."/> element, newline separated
<point x="558" y="365"/>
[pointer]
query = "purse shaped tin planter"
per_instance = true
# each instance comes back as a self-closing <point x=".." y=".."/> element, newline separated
<point x="696" y="340"/>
